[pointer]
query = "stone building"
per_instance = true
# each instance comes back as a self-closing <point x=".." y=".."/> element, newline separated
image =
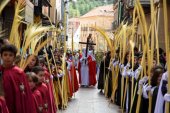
<point x="101" y="17"/>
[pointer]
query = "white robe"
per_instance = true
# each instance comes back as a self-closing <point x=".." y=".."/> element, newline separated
<point x="160" y="99"/>
<point x="84" y="72"/>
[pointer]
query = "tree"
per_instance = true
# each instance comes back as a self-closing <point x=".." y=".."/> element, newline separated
<point x="81" y="7"/>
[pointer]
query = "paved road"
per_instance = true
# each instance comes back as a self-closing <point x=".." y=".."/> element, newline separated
<point x="89" y="100"/>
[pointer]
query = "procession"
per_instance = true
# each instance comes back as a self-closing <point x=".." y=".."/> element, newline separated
<point x="82" y="56"/>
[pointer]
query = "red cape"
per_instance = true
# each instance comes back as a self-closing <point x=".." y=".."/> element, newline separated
<point x="92" y="71"/>
<point x="70" y="86"/>
<point x="45" y="96"/>
<point x="3" y="106"/>
<point x="37" y="100"/>
<point x="74" y="78"/>
<point x="53" y="108"/>
<point x="18" y="95"/>
<point x="73" y="82"/>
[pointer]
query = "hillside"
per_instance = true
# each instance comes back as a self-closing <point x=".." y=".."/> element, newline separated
<point x="81" y="7"/>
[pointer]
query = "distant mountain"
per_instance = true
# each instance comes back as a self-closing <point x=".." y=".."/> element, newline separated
<point x="81" y="7"/>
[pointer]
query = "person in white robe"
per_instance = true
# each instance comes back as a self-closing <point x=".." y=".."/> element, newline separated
<point x="84" y="69"/>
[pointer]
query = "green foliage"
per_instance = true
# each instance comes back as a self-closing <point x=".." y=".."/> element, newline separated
<point x="99" y="57"/>
<point x="81" y="7"/>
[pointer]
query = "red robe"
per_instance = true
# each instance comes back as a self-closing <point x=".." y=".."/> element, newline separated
<point x="3" y="106"/>
<point x="38" y="100"/>
<point x="45" y="96"/>
<point x="73" y="77"/>
<point x="18" y="95"/>
<point x="53" y="108"/>
<point x="70" y="86"/>
<point x="92" y="71"/>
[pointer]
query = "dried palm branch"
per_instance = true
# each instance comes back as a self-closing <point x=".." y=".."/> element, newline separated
<point x="18" y="18"/>
<point x="3" y="3"/>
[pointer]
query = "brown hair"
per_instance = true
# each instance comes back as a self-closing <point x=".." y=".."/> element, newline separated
<point x="32" y="75"/>
<point x="156" y="73"/>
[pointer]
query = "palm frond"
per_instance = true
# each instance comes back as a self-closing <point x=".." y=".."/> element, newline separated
<point x="3" y="4"/>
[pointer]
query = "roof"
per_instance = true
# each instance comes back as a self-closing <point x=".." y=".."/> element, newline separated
<point x="74" y="19"/>
<point x="106" y="10"/>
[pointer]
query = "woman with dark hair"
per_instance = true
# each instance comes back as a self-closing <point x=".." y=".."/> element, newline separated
<point x="155" y="81"/>
<point x="34" y="62"/>
<point x="156" y="75"/>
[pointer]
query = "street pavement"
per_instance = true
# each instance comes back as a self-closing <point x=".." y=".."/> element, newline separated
<point x="89" y="100"/>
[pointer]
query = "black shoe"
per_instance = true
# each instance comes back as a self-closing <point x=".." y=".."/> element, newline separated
<point x="82" y="86"/>
<point x="101" y="91"/>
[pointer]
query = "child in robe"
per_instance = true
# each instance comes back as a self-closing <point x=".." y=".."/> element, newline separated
<point x="3" y="106"/>
<point x="33" y="82"/>
<point x="49" y="82"/>
<point x="17" y="92"/>
<point x="43" y="88"/>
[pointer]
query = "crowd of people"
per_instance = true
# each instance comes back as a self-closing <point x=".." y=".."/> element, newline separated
<point x="44" y="86"/>
<point x="131" y="85"/>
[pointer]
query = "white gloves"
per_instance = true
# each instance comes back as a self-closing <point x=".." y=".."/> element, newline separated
<point x="127" y="65"/>
<point x="129" y="73"/>
<point x="167" y="97"/>
<point x="115" y="63"/>
<point x="124" y="73"/>
<point x="60" y="75"/>
<point x="146" y="88"/>
<point x="140" y="67"/>
<point x="132" y="74"/>
<point x="143" y="80"/>
<point x="137" y="72"/>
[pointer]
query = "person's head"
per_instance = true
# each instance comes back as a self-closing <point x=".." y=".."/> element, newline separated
<point x="135" y="50"/>
<point x="108" y="54"/>
<point x="8" y="54"/>
<point x="34" y="62"/>
<point x="39" y="71"/>
<point x="157" y="75"/>
<point x="140" y="58"/>
<point x="154" y="62"/>
<point x="32" y="79"/>
<point x="42" y="61"/>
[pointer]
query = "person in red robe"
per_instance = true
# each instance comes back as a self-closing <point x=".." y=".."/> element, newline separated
<point x="72" y="76"/>
<point x="73" y="82"/>
<point x="33" y="81"/>
<point x="49" y="82"/>
<point x="43" y="88"/>
<point x="17" y="92"/>
<point x="3" y="106"/>
<point x="92" y="69"/>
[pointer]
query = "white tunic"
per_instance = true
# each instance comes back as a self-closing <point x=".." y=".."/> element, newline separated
<point x="84" y="72"/>
<point x="160" y="99"/>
